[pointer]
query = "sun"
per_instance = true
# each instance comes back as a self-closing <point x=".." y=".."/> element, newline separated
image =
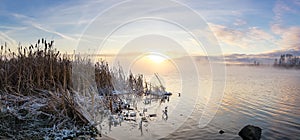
<point x="155" y="58"/>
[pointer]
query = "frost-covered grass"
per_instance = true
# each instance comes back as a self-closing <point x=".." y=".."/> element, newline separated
<point x="41" y="96"/>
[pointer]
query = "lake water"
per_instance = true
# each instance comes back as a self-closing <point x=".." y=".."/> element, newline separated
<point x="263" y="96"/>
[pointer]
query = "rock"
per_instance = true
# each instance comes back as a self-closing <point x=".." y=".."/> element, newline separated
<point x="221" y="131"/>
<point x="250" y="132"/>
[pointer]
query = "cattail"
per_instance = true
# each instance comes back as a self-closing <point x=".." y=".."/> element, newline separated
<point x="57" y="54"/>
<point x="46" y="46"/>
<point x="5" y="47"/>
<point x="51" y="43"/>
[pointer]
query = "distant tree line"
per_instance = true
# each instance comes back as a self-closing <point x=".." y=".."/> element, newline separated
<point x="287" y="60"/>
<point x="256" y="63"/>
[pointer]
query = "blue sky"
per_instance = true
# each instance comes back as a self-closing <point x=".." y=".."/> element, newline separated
<point x="240" y="26"/>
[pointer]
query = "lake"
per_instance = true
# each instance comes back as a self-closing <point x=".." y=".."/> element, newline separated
<point x="263" y="96"/>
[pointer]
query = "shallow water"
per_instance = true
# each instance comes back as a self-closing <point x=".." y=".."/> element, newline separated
<point x="263" y="96"/>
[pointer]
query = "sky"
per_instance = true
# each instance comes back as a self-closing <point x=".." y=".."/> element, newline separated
<point x="248" y="27"/>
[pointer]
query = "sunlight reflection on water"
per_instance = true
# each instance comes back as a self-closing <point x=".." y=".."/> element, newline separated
<point x="262" y="96"/>
<point x="266" y="97"/>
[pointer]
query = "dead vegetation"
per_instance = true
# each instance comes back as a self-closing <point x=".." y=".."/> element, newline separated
<point x="39" y="98"/>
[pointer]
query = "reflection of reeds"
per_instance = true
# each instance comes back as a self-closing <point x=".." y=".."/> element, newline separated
<point x="36" y="84"/>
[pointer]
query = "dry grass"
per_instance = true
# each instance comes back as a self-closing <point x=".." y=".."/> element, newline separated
<point x="38" y="97"/>
<point x="38" y="66"/>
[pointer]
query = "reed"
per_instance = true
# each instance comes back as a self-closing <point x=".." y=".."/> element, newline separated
<point x="41" y="66"/>
<point x="37" y="95"/>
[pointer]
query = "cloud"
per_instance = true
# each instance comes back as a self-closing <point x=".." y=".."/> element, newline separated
<point x="68" y="20"/>
<point x="5" y="38"/>
<point x="11" y="28"/>
<point x="258" y="34"/>
<point x="227" y="35"/>
<point x="247" y="39"/>
<point x="289" y="37"/>
<point x="280" y="9"/>
<point x="256" y="38"/>
<point x="240" y="22"/>
<point x="31" y="22"/>
<point x="38" y="26"/>
<point x="297" y="2"/>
